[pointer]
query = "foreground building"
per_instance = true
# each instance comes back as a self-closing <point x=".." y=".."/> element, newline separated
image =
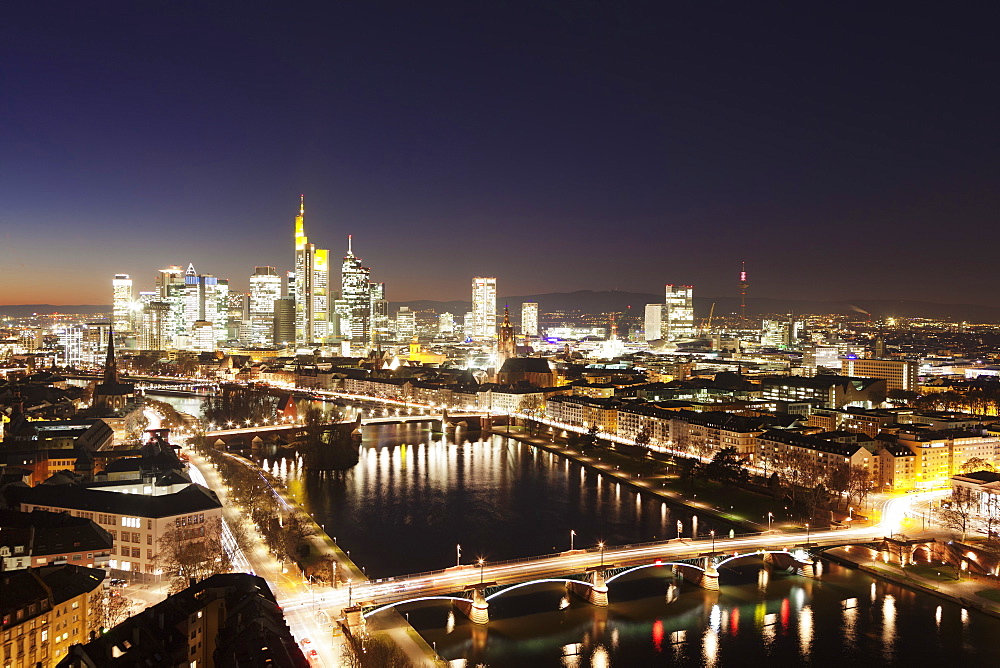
<point x="46" y="610"/>
<point x="225" y="620"/>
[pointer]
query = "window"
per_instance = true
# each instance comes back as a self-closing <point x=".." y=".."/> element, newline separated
<point x="149" y="539"/>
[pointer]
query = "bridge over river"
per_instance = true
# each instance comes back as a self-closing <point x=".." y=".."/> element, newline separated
<point x="587" y="573"/>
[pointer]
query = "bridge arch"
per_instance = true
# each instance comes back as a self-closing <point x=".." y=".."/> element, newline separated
<point x="655" y="564"/>
<point x="413" y="600"/>
<point x="759" y="553"/>
<point x="532" y="582"/>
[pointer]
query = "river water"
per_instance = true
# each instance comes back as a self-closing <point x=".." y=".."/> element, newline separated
<point x="415" y="496"/>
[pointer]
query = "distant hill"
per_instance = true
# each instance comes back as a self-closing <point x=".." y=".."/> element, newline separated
<point x="22" y="310"/>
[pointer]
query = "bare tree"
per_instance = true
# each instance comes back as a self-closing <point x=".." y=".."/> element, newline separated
<point x="108" y="608"/>
<point x="375" y="651"/>
<point x="958" y="512"/>
<point x="192" y="552"/>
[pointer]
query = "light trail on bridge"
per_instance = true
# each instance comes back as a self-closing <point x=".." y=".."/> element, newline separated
<point x="396" y="590"/>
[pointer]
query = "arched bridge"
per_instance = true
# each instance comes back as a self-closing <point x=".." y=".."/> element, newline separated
<point x="589" y="583"/>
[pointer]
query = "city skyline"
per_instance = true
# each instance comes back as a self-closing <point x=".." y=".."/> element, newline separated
<point x="674" y="142"/>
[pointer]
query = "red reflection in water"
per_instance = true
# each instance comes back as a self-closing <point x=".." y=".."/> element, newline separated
<point x="734" y="621"/>
<point x="658" y="635"/>
<point x="784" y="612"/>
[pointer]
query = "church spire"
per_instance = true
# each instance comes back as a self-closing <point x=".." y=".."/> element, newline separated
<point x="110" y="365"/>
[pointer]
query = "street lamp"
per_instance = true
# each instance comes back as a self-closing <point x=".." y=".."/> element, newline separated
<point x="770" y="516"/>
<point x="713" y="540"/>
<point x="850" y="513"/>
<point x="458" y="555"/>
<point x="349" y="591"/>
<point x="601" y="545"/>
<point x="482" y="566"/>
<point x="572" y="534"/>
<point x="807" y="534"/>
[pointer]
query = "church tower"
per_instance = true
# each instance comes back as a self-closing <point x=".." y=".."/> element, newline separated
<point x="506" y="347"/>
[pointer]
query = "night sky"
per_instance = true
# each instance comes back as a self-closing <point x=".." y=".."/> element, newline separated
<point x="842" y="151"/>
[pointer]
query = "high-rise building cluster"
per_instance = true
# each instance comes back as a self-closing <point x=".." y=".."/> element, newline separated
<point x="300" y="308"/>
<point x="673" y="320"/>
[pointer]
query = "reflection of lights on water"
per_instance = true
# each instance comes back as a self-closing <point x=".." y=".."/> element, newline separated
<point x="800" y="596"/>
<point x="873" y="592"/>
<point x="564" y="602"/>
<point x="965" y="617"/>
<point x="450" y="624"/>
<point x="763" y="579"/>
<point x="710" y="647"/>
<point x="570" y="655"/>
<point x="937" y="616"/>
<point x="734" y="621"/>
<point x="715" y="618"/>
<point x="658" y="635"/>
<point x="784" y="612"/>
<point x="600" y="657"/>
<point x="614" y="638"/>
<point x="888" y="623"/>
<point x="850" y="624"/>
<point x="805" y="631"/>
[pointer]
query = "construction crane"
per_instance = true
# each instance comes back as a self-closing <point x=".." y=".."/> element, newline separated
<point x="707" y="324"/>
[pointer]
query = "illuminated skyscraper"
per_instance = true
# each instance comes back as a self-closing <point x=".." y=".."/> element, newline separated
<point x="379" y="313"/>
<point x="484" y="308"/>
<point x="311" y="286"/>
<point x="654" y="322"/>
<point x="170" y="289"/>
<point x="206" y="299"/>
<point x="529" y="318"/>
<point x="121" y="317"/>
<point x="679" y="313"/>
<point x="265" y="288"/>
<point x="355" y="299"/>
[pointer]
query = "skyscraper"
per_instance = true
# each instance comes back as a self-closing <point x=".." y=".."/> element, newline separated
<point x="484" y="308"/>
<point x="679" y="308"/>
<point x="311" y="286"/>
<point x="121" y="313"/>
<point x="379" y="313"/>
<point x="654" y="322"/>
<point x="265" y="288"/>
<point x="355" y="298"/>
<point x="529" y="318"/>
<point x="205" y="301"/>
<point x="170" y="289"/>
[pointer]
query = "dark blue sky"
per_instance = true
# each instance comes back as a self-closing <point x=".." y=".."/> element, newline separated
<point x="844" y="152"/>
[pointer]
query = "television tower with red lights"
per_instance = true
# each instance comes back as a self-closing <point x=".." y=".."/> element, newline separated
<point x="743" y="292"/>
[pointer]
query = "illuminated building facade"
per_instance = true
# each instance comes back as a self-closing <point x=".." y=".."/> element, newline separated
<point x="265" y="288"/>
<point x="206" y="299"/>
<point x="170" y="289"/>
<point x="446" y="324"/>
<point x="406" y="324"/>
<point x="379" y="310"/>
<point x="679" y="313"/>
<point x="356" y="297"/>
<point x="484" y="308"/>
<point x="506" y="347"/>
<point x="897" y="374"/>
<point x="153" y="333"/>
<point x="310" y="287"/>
<point x="529" y="318"/>
<point x="654" y="322"/>
<point x="121" y="309"/>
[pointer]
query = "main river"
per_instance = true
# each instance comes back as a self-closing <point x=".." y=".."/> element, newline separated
<point x="416" y="496"/>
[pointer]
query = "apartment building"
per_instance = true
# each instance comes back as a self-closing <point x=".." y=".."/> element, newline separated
<point x="136" y="522"/>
